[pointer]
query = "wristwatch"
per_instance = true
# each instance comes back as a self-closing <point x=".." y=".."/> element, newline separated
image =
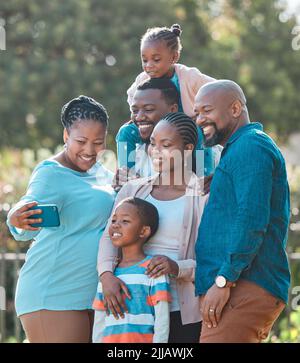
<point x="221" y="282"/>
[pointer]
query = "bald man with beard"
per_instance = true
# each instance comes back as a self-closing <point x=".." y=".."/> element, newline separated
<point x="242" y="275"/>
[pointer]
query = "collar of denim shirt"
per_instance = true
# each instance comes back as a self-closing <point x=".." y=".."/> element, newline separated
<point x="242" y="130"/>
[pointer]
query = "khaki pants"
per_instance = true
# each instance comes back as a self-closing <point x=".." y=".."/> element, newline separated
<point x="48" y="326"/>
<point x="247" y="317"/>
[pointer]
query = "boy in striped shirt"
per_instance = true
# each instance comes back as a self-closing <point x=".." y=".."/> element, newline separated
<point x="133" y="222"/>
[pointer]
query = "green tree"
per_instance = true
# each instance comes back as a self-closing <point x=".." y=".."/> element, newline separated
<point x="246" y="41"/>
<point x="58" y="50"/>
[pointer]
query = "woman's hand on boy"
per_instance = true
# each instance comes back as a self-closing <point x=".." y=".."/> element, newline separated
<point x="20" y="218"/>
<point x="162" y="265"/>
<point x="113" y="291"/>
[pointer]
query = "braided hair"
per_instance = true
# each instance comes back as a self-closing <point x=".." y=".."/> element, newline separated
<point x="171" y="36"/>
<point x="186" y="128"/>
<point x="83" y="108"/>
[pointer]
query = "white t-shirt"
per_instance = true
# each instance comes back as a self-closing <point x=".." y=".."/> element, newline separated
<point x="166" y="240"/>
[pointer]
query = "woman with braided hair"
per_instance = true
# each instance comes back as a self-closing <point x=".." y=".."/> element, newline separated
<point x="58" y="281"/>
<point x="174" y="190"/>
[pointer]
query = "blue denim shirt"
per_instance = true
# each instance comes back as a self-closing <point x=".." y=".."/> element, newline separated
<point x="243" y="231"/>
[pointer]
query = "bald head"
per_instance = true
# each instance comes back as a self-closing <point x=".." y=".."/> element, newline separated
<point x="223" y="90"/>
<point x="220" y="107"/>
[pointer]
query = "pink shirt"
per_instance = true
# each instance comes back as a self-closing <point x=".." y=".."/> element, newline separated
<point x="190" y="80"/>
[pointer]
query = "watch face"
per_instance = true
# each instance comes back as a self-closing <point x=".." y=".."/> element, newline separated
<point x="220" y="281"/>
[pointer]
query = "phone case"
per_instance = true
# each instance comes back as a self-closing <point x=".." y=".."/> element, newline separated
<point x="49" y="216"/>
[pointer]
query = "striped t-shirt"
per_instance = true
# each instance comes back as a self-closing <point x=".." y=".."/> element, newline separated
<point x="146" y="294"/>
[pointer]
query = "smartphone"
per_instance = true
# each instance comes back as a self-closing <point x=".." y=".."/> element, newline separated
<point x="50" y="216"/>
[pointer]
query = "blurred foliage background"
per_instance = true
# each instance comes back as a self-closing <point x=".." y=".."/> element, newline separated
<point x="57" y="50"/>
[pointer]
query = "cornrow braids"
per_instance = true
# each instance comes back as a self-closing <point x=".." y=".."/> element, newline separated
<point x="83" y="108"/>
<point x="171" y="36"/>
<point x="187" y="129"/>
<point x="185" y="126"/>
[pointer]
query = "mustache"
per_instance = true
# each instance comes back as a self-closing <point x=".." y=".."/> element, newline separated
<point x="209" y="123"/>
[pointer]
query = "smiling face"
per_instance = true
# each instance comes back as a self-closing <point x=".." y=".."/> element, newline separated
<point x="166" y="148"/>
<point x="157" y="59"/>
<point x="126" y="226"/>
<point x="214" y="117"/>
<point x="148" y="107"/>
<point x="84" y="140"/>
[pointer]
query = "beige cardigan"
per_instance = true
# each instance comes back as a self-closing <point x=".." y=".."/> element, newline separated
<point x="194" y="205"/>
<point x="190" y="80"/>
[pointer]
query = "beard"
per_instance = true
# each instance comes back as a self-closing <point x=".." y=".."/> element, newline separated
<point x="216" y="139"/>
<point x="145" y="140"/>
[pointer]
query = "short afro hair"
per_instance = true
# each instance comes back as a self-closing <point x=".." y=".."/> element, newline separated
<point x="167" y="88"/>
<point x="148" y="213"/>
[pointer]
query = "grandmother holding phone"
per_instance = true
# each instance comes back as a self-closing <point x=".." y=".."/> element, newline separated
<point x="58" y="281"/>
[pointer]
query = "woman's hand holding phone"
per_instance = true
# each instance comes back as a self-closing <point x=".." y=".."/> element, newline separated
<point x="20" y="218"/>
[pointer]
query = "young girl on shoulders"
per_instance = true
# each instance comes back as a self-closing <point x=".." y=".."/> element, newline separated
<point x="160" y="52"/>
